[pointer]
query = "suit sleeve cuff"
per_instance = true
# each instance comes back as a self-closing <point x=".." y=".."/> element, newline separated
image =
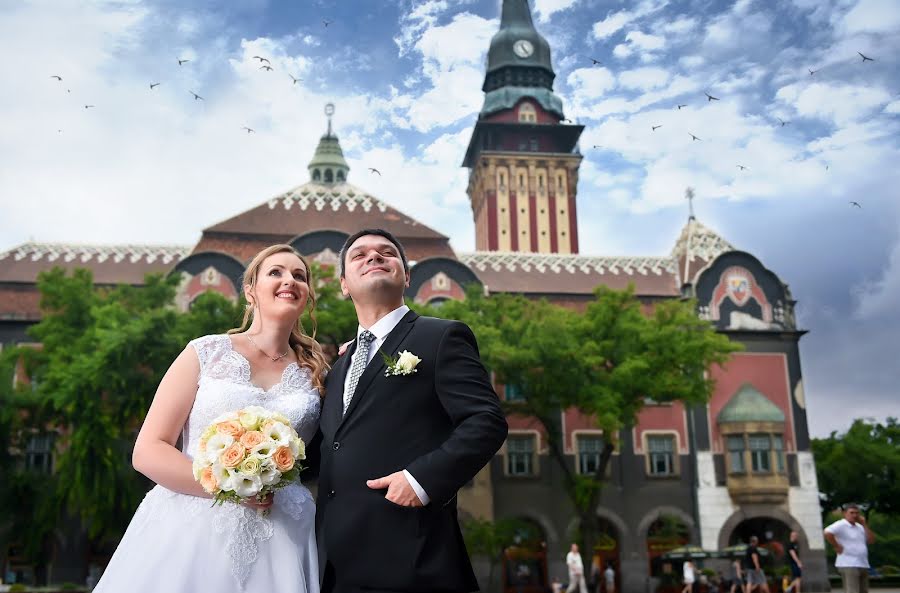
<point x="420" y="492"/>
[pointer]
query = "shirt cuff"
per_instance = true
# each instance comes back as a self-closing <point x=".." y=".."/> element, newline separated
<point x="420" y="492"/>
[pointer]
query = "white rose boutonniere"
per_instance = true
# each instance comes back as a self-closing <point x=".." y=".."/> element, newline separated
<point x="404" y="364"/>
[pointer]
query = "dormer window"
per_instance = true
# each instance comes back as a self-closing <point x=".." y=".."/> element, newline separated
<point x="527" y="113"/>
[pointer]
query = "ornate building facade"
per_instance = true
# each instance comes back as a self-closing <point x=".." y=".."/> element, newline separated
<point x="739" y="466"/>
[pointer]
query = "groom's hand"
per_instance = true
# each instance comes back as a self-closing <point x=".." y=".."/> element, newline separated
<point x="399" y="490"/>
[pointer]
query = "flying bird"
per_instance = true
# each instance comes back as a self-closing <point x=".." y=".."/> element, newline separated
<point x="374" y="170"/>
<point x="865" y="58"/>
<point x="295" y="79"/>
<point x="710" y="97"/>
<point x="595" y="146"/>
<point x="653" y="128"/>
<point x="180" y="62"/>
<point x="266" y="67"/>
<point x="196" y="96"/>
<point x="89" y="106"/>
<point x="595" y="62"/>
<point x="680" y="106"/>
<point x="262" y="59"/>
<point x="742" y="167"/>
<point x="856" y="204"/>
<point x="249" y="130"/>
<point x="567" y="120"/>
<point x="326" y="22"/>
<point x="811" y="71"/>
<point x="826" y="167"/>
<point x="57" y="77"/>
<point x="153" y="85"/>
<point x="782" y="122"/>
<point x="694" y="137"/>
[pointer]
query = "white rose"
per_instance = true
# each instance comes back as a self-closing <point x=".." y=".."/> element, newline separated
<point x="269" y="474"/>
<point x="246" y="486"/>
<point x="298" y="448"/>
<point x="408" y="361"/>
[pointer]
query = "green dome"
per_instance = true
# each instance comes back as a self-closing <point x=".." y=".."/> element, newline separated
<point x="749" y="405"/>
<point x="328" y="164"/>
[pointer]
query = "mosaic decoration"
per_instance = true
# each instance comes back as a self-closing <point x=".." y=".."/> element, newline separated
<point x="82" y="253"/>
<point x="558" y="263"/>
<point x="739" y="285"/>
<point x="318" y="196"/>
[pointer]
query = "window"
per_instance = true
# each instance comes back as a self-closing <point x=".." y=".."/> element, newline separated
<point x="317" y="175"/>
<point x="520" y="455"/>
<point x="760" y="457"/>
<point x="661" y="449"/>
<point x="513" y="393"/>
<point x="527" y="114"/>
<point x="39" y="453"/>
<point x="736" y="453"/>
<point x="778" y="446"/>
<point x="340" y="175"/>
<point x="533" y="144"/>
<point x="589" y="450"/>
<point x="329" y="176"/>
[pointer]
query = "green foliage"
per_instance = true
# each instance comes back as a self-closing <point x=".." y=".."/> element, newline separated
<point x="862" y="466"/>
<point x="104" y="353"/>
<point x="488" y="539"/>
<point x="605" y="362"/>
<point x="335" y="315"/>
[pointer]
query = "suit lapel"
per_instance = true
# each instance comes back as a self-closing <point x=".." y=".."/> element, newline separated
<point x="377" y="366"/>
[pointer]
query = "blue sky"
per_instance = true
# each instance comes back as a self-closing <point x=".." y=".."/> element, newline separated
<point x="157" y="166"/>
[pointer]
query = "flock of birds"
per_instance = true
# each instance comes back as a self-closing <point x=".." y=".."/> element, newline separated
<point x="266" y="65"/>
<point x="710" y="98"/>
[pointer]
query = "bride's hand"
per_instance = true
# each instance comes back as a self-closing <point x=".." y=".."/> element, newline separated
<point x="260" y="505"/>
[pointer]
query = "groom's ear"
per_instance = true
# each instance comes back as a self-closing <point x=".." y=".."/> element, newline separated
<point x="344" y="290"/>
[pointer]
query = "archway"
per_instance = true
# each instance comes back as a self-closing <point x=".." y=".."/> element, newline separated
<point x="773" y="536"/>
<point x="607" y="553"/>
<point x="665" y="533"/>
<point x="525" y="561"/>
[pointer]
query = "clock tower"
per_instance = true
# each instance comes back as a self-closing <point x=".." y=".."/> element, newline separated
<point x="523" y="160"/>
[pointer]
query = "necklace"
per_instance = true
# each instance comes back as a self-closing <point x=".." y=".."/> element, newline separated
<point x="273" y="358"/>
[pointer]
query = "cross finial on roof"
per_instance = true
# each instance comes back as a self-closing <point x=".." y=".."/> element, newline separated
<point x="689" y="194"/>
<point x="329" y="111"/>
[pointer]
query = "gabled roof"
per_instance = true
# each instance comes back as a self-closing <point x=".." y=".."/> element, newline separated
<point x="554" y="273"/>
<point x="749" y="405"/>
<point x="314" y="206"/>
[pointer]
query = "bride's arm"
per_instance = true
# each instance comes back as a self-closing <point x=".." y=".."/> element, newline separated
<point x="155" y="454"/>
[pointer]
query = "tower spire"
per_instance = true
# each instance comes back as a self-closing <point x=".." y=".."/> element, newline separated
<point x="328" y="165"/>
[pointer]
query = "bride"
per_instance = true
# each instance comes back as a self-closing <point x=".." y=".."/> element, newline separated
<point x="178" y="541"/>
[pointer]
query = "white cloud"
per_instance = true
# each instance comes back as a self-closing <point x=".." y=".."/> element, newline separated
<point x="590" y="82"/>
<point x="644" y="79"/>
<point x="622" y="51"/>
<point x="644" y="41"/>
<point x="880" y="297"/>
<point x="872" y="16"/>
<point x="616" y="21"/>
<point x="547" y="8"/>
<point x="836" y="103"/>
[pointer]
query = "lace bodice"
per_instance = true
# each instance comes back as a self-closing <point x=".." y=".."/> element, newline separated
<point x="224" y="386"/>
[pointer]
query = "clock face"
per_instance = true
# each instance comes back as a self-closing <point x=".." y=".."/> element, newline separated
<point x="523" y="48"/>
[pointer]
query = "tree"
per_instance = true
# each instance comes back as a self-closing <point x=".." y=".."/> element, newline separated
<point x="104" y="352"/>
<point x="489" y="539"/>
<point x="605" y="363"/>
<point x="862" y="466"/>
<point x="335" y="315"/>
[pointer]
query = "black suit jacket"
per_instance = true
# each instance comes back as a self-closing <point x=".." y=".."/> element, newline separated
<point x="443" y="423"/>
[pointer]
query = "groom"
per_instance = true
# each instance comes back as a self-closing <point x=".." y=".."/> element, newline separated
<point x="396" y="448"/>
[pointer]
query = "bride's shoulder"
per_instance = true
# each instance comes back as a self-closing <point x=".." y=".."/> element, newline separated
<point x="207" y="346"/>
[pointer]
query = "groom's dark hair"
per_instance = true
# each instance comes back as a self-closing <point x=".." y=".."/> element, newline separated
<point x="381" y="233"/>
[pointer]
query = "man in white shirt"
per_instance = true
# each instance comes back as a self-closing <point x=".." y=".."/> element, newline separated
<point x="850" y="538"/>
<point x="576" y="570"/>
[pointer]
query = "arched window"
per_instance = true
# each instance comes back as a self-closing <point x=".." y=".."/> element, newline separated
<point x="317" y="175"/>
<point x="340" y="176"/>
<point x="527" y="114"/>
<point x="329" y="177"/>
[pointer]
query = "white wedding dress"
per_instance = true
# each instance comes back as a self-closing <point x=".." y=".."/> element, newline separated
<point x="180" y="543"/>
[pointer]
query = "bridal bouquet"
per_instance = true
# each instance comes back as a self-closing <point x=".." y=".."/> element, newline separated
<point x="248" y="453"/>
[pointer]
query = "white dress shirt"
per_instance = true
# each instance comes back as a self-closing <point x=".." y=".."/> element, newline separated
<point x="380" y="330"/>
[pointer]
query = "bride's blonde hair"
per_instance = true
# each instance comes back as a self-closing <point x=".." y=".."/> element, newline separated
<point x="309" y="352"/>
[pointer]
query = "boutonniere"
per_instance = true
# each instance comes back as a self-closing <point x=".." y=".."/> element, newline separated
<point x="403" y="364"/>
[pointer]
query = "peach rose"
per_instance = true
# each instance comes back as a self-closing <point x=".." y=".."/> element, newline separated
<point x="208" y="480"/>
<point x="251" y="438"/>
<point x="283" y="459"/>
<point x="233" y="455"/>
<point x="230" y="427"/>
